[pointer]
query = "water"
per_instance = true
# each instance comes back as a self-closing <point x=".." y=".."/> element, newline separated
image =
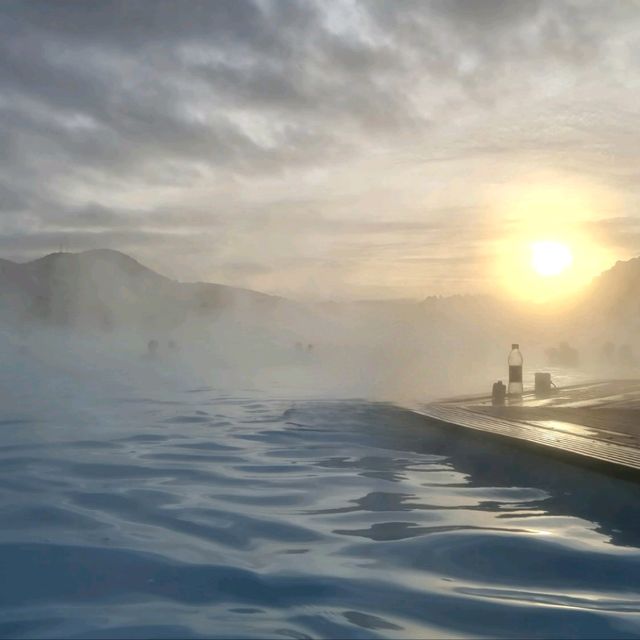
<point x="203" y="512"/>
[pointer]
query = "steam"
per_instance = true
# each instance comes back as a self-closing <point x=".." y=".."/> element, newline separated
<point x="78" y="326"/>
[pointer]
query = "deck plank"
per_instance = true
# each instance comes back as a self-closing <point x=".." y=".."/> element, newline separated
<point x="598" y="422"/>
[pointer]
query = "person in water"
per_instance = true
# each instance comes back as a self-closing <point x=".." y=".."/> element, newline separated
<point x="152" y="349"/>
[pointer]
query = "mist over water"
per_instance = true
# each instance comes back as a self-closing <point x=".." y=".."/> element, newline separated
<point x="101" y="310"/>
<point x="192" y="461"/>
<point x="237" y="485"/>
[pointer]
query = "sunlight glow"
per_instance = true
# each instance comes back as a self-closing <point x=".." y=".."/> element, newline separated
<point x="550" y="258"/>
<point x="548" y="248"/>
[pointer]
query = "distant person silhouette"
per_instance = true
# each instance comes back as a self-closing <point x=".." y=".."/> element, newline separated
<point x="564" y="355"/>
<point x="152" y="349"/>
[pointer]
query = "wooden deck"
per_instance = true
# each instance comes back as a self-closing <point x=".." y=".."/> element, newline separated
<point x="596" y="423"/>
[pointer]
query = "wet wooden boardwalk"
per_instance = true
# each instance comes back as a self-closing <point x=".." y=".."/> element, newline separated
<point x="596" y="423"/>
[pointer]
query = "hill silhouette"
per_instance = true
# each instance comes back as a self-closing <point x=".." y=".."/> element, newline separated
<point x="614" y="295"/>
<point x="103" y="289"/>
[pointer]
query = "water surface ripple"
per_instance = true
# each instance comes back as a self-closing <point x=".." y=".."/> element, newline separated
<point x="202" y="513"/>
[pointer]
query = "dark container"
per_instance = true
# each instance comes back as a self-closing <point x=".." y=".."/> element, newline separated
<point x="498" y="392"/>
<point x="543" y="384"/>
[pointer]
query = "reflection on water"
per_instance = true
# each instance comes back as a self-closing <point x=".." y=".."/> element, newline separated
<point x="202" y="513"/>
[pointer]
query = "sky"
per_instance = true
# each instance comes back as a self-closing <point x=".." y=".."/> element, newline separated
<point x="324" y="150"/>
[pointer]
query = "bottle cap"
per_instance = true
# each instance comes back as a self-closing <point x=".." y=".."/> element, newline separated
<point x="515" y="346"/>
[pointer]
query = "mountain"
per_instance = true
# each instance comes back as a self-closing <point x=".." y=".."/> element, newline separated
<point x="104" y="289"/>
<point x="616" y="292"/>
<point x="610" y="306"/>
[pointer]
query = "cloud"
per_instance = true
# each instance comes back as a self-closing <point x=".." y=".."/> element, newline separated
<point x="275" y="135"/>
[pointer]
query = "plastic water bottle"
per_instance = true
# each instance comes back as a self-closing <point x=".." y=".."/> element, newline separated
<point x="515" y="371"/>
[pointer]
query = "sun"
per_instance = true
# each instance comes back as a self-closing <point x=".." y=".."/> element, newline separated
<point x="549" y="258"/>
